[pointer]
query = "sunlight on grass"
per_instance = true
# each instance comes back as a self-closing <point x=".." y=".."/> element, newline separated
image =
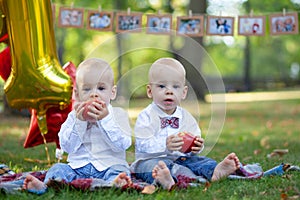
<point x="253" y="96"/>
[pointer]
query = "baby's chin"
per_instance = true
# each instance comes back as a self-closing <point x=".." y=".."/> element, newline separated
<point x="167" y="109"/>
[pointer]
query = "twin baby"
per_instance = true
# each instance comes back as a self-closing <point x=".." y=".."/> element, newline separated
<point x="96" y="135"/>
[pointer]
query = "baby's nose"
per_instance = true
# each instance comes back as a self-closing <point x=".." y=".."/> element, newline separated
<point x="169" y="91"/>
<point x="94" y="95"/>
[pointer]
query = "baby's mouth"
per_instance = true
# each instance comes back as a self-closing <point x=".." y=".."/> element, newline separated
<point x="168" y="101"/>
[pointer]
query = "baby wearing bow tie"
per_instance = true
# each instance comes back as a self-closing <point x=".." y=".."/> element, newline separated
<point x="157" y="144"/>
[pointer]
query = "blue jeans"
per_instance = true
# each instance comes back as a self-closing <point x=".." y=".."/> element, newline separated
<point x="144" y="168"/>
<point x="64" y="172"/>
<point x="199" y="165"/>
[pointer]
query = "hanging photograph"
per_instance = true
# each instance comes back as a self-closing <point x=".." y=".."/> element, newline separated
<point x="129" y="22"/>
<point x="254" y="25"/>
<point x="281" y="24"/>
<point x="101" y="21"/>
<point x="70" y="17"/>
<point x="219" y="25"/>
<point x="190" y="26"/>
<point x="159" y="24"/>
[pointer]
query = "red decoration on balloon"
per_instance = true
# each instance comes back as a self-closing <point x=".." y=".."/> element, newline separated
<point x="5" y="60"/>
<point x="55" y="118"/>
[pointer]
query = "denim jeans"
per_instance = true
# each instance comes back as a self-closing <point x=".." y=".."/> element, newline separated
<point x="62" y="171"/>
<point x="201" y="166"/>
<point x="144" y="168"/>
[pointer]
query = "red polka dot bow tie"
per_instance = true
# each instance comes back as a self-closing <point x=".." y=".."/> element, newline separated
<point x="169" y="121"/>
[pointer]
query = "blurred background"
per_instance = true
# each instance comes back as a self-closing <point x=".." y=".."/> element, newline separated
<point x="244" y="63"/>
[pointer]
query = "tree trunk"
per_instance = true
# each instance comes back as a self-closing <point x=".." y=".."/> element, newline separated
<point x="188" y="56"/>
<point x="247" y="66"/>
<point x="247" y="57"/>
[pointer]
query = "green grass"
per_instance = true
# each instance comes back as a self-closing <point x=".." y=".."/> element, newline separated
<point x="252" y="130"/>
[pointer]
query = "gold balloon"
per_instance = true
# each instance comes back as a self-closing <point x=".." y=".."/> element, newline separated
<point x="37" y="80"/>
<point x="2" y="22"/>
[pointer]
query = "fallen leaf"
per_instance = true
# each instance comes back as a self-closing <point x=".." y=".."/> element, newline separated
<point x="294" y="197"/>
<point x="283" y="196"/>
<point x="278" y="152"/>
<point x="207" y="185"/>
<point x="256" y="151"/>
<point x="269" y="124"/>
<point x="264" y="142"/>
<point x="255" y="133"/>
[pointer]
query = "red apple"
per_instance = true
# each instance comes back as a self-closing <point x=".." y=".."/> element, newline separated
<point x="188" y="141"/>
<point x="87" y="108"/>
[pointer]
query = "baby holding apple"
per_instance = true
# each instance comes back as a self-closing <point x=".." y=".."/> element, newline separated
<point x="167" y="134"/>
<point x="95" y="135"/>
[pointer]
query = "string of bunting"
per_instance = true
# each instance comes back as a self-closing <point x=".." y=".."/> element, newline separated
<point x="191" y="25"/>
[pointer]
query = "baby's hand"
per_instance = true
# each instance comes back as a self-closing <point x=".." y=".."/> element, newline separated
<point x="198" y="145"/>
<point x="91" y="111"/>
<point x="101" y="110"/>
<point x="174" y="143"/>
<point x="79" y="108"/>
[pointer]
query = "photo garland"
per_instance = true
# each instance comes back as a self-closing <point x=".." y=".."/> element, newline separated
<point x="71" y="17"/>
<point x="281" y="24"/>
<point x="159" y="24"/>
<point x="254" y="25"/>
<point x="193" y="26"/>
<point x="100" y="21"/>
<point x="129" y="22"/>
<point x="217" y="25"/>
<point x="190" y="26"/>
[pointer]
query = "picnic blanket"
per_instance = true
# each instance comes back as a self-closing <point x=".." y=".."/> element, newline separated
<point x="11" y="182"/>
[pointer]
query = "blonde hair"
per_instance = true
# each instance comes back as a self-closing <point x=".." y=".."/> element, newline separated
<point x="170" y="62"/>
<point x="90" y="63"/>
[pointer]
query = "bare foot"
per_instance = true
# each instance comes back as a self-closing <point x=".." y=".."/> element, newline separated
<point x="162" y="175"/>
<point x="229" y="165"/>
<point x="34" y="185"/>
<point x="121" y="180"/>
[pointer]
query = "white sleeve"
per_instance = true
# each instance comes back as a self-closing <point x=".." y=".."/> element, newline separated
<point x="71" y="133"/>
<point x="148" y="137"/>
<point x="117" y="128"/>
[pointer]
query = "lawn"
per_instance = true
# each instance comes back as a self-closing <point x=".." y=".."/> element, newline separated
<point x="251" y="129"/>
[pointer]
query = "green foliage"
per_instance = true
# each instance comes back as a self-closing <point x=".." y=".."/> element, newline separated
<point x="271" y="57"/>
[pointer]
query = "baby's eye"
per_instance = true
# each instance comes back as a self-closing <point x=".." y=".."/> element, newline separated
<point x="86" y="89"/>
<point x="101" y="88"/>
<point x="161" y="86"/>
<point x="176" y="86"/>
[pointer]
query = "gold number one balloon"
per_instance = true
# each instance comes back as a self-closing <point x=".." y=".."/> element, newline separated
<point x="37" y="80"/>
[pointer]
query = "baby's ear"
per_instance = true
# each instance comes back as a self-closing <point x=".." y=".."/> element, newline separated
<point x="185" y="91"/>
<point x="149" y="91"/>
<point x="113" y="92"/>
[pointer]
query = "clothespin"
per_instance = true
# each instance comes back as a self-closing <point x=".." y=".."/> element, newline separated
<point x="283" y="12"/>
<point x="72" y="5"/>
<point x="251" y="13"/>
<point x="128" y="11"/>
<point x="99" y="8"/>
<point x="190" y="13"/>
<point x="159" y="12"/>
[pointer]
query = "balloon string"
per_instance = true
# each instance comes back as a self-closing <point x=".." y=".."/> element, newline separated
<point x="46" y="149"/>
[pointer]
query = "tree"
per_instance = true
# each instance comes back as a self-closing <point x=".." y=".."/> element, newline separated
<point x="187" y="53"/>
